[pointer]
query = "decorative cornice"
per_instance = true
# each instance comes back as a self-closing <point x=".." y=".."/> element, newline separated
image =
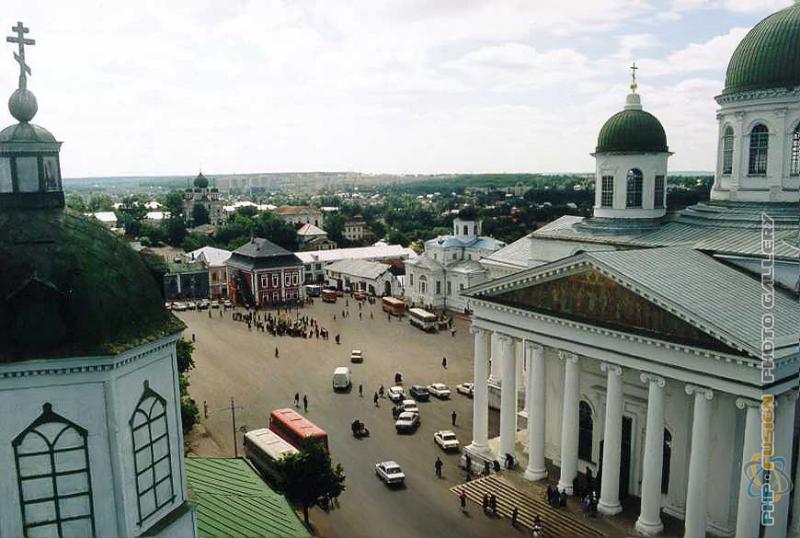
<point x="650" y="379"/>
<point x="755" y="95"/>
<point x="91" y="365"/>
<point x="697" y="390"/>
<point x="743" y="403"/>
<point x="611" y="369"/>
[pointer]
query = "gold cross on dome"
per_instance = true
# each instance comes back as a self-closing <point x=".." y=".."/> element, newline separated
<point x="21" y="40"/>
<point x="634" y="85"/>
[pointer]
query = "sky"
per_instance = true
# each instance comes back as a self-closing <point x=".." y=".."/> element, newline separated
<point x="378" y="86"/>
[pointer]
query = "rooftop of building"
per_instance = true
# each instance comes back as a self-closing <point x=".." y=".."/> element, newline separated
<point x="382" y="251"/>
<point x="359" y="268"/>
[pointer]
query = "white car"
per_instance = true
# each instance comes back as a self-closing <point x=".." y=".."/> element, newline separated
<point x="407" y="421"/>
<point x="466" y="388"/>
<point x="389" y="472"/>
<point x="396" y="393"/>
<point x="228" y="304"/>
<point x="215" y="305"/>
<point x="179" y="307"/>
<point x="356" y="356"/>
<point x="440" y="390"/>
<point x="410" y="406"/>
<point x="446" y="440"/>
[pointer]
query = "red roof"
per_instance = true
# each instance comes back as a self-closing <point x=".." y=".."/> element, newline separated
<point x="298" y="423"/>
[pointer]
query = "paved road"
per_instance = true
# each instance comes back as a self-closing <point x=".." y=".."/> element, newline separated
<point x="231" y="361"/>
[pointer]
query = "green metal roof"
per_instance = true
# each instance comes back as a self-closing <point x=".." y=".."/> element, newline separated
<point x="233" y="501"/>
<point x="632" y="131"/>
<point x="769" y="56"/>
<point x="200" y="181"/>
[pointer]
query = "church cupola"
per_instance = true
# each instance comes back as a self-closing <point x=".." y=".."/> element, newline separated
<point x="30" y="171"/>
<point x="631" y="159"/>
<point x="467" y="226"/>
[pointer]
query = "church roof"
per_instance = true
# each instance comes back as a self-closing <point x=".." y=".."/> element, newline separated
<point x="70" y="287"/>
<point x="201" y="182"/>
<point x="632" y="131"/>
<point x="232" y="500"/>
<point x="769" y="55"/>
<point x="26" y="132"/>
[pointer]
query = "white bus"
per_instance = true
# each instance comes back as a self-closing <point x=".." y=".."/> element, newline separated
<point x="265" y="448"/>
<point x="422" y="319"/>
<point x="313" y="290"/>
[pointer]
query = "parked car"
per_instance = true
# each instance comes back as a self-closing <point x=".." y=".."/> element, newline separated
<point x="466" y="388"/>
<point x="179" y="307"/>
<point x="215" y="304"/>
<point x="228" y="304"/>
<point x="356" y="356"/>
<point x="360" y="296"/>
<point x="191" y="305"/>
<point x="390" y="472"/>
<point x="396" y="393"/>
<point x="168" y="306"/>
<point x="440" y="390"/>
<point x="446" y="440"/>
<point x="406" y="406"/>
<point x="406" y="421"/>
<point x="203" y="305"/>
<point x="420" y="393"/>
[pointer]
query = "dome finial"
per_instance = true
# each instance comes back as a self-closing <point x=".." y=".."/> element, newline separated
<point x="634" y="85"/>
<point x="22" y="103"/>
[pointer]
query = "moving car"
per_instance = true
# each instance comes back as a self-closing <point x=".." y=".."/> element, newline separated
<point x="420" y="392"/>
<point x="406" y="406"/>
<point x="389" y="472"/>
<point x="446" y="440"/>
<point x="341" y="378"/>
<point x="440" y="390"/>
<point x="356" y="356"/>
<point x="396" y="393"/>
<point x="406" y="421"/>
<point x="466" y="388"/>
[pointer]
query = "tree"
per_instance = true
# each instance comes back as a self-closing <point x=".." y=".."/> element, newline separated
<point x="398" y="237"/>
<point x="283" y="234"/>
<point x="100" y="202"/>
<point x="189" y="410"/>
<point x="200" y="215"/>
<point x="175" y="230"/>
<point x="309" y="475"/>
<point x="75" y="202"/>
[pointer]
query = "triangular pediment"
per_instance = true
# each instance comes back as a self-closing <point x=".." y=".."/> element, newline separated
<point x="586" y="295"/>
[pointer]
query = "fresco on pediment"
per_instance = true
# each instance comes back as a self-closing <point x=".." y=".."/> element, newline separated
<point x="591" y="297"/>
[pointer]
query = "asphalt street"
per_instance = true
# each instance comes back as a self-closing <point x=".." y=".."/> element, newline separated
<point x="234" y="362"/>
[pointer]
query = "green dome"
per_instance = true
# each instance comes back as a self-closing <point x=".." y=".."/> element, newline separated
<point x="632" y="131"/>
<point x="70" y="287"/>
<point x="200" y="181"/>
<point x="769" y="55"/>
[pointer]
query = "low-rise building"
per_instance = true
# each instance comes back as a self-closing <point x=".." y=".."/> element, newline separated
<point x="299" y="215"/>
<point x="315" y="262"/>
<point x="186" y="281"/>
<point x="260" y="273"/>
<point x="214" y="260"/>
<point x="108" y="218"/>
<point x="375" y="278"/>
<point x="355" y="229"/>
<point x="311" y="237"/>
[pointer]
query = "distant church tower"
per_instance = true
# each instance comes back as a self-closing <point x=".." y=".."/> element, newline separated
<point x="91" y="443"/>
<point x="631" y="163"/>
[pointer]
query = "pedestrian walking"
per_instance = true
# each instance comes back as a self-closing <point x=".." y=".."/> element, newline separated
<point x="360" y="390"/>
<point x="485" y="502"/>
<point x="493" y="503"/>
<point x="463" y="498"/>
<point x="444" y="363"/>
<point x="514" y="516"/>
<point x="371" y="316"/>
<point x="305" y="402"/>
<point x="453" y="333"/>
<point x="276" y="352"/>
<point x="375" y="399"/>
<point x="359" y="316"/>
<point x="453" y="417"/>
<point x="297" y="399"/>
<point x="467" y="463"/>
<point x="438" y="466"/>
<point x="205" y="409"/>
<point x="193" y="338"/>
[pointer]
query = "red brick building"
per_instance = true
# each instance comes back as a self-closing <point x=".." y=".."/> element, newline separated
<point x="261" y="273"/>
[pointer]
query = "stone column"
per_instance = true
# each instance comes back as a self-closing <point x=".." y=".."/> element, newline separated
<point x="649" y="522"/>
<point x="612" y="442"/>
<point x="480" y="395"/>
<point x="784" y="430"/>
<point x="534" y="398"/>
<point x="569" y="421"/>
<point x="748" y="514"/>
<point x="698" y="462"/>
<point x="508" y="398"/>
<point x="494" y="376"/>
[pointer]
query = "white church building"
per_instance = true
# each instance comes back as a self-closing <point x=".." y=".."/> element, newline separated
<point x="450" y="264"/>
<point x="90" y="441"/>
<point x="643" y="346"/>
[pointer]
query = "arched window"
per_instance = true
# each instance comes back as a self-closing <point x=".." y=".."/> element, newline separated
<point x="151" y="454"/>
<point x="634" y="193"/>
<point x="795" y="163"/>
<point x="727" y="151"/>
<point x="585" y="431"/>
<point x="667" y="455"/>
<point x="759" y="146"/>
<point x="55" y="487"/>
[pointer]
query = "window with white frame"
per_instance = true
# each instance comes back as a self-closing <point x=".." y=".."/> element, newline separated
<point x="276" y="280"/>
<point x="634" y="191"/>
<point x="794" y="168"/>
<point x="727" y="151"/>
<point x="658" y="189"/>
<point x="607" y="191"/>
<point x="759" y="149"/>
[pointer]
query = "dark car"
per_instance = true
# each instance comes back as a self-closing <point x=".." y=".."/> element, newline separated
<point x="420" y="393"/>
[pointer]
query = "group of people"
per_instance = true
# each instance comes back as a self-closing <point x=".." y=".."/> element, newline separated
<point x="556" y="498"/>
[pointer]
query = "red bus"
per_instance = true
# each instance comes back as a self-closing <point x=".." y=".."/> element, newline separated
<point x="295" y="429"/>
<point x="329" y="296"/>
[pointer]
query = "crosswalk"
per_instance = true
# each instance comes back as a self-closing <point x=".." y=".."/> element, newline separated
<point x="556" y="522"/>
